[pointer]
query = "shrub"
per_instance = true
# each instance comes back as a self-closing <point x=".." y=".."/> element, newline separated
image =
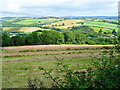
<point x="25" y="68"/>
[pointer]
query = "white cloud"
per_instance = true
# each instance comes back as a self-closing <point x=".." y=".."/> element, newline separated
<point x="55" y="7"/>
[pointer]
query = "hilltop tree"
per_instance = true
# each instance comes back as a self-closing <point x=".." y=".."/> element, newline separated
<point x="105" y="32"/>
<point x="114" y="32"/>
<point x="82" y="23"/>
<point x="55" y="24"/>
<point x="63" y="24"/>
<point x="100" y="31"/>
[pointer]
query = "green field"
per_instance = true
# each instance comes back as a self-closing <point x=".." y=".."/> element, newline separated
<point x="97" y="29"/>
<point x="101" y="24"/>
<point x="16" y="74"/>
<point x="21" y="63"/>
<point x="31" y="24"/>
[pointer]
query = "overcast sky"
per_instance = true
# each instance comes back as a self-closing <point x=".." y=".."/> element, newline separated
<point x="60" y="7"/>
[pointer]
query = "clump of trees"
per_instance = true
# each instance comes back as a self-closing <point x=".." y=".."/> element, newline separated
<point x="54" y="37"/>
<point x="76" y="35"/>
<point x="44" y="38"/>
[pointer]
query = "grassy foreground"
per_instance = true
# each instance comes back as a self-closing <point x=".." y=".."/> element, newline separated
<point x="21" y="63"/>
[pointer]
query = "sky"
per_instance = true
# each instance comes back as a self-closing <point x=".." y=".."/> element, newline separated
<point x="59" y="7"/>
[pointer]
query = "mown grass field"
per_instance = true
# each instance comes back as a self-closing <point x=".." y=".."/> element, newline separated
<point x="20" y="63"/>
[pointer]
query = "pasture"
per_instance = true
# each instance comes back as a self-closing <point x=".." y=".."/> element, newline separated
<point x="97" y="29"/>
<point x="22" y="62"/>
<point x="101" y="24"/>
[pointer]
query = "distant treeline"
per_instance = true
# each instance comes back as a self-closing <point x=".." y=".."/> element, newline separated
<point x="52" y="37"/>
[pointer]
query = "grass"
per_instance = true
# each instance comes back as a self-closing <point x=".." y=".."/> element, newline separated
<point x="16" y="74"/>
<point x="97" y="29"/>
<point x="101" y="24"/>
<point x="15" y="57"/>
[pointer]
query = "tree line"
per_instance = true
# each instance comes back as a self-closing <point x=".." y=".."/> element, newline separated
<point x="51" y="37"/>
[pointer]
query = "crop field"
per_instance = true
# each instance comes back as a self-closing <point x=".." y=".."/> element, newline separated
<point x="34" y="21"/>
<point x="20" y="63"/>
<point x="11" y="28"/>
<point x="67" y="23"/>
<point x="23" y="29"/>
<point x="60" y="23"/>
<point x="31" y="29"/>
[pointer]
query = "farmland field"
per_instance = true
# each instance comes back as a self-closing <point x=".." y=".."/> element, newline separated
<point x="97" y="29"/>
<point x="20" y="63"/>
<point x="101" y="24"/>
<point x="67" y="23"/>
<point x="23" y="29"/>
<point x="33" y="21"/>
<point x="34" y="24"/>
<point x="33" y="42"/>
